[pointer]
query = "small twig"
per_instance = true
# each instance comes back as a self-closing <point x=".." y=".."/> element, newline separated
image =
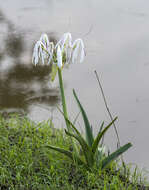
<point x="76" y="118"/>
<point x="89" y="31"/>
<point x="104" y="98"/>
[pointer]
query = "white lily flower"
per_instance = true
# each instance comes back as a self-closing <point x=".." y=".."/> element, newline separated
<point x="47" y="47"/>
<point x="78" y="52"/>
<point x="64" y="50"/>
<point x="43" y="50"/>
<point x="59" y="57"/>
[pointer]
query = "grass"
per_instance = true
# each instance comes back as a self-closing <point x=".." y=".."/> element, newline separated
<point x="25" y="163"/>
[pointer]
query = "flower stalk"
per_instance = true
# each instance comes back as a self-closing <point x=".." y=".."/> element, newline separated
<point x="63" y="97"/>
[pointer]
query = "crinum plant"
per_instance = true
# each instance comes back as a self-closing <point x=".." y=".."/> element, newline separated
<point x="57" y="56"/>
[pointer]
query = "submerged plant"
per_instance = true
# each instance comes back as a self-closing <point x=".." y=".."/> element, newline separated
<point x="57" y="56"/>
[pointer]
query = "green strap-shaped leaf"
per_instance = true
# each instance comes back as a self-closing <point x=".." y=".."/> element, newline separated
<point x="101" y="127"/>
<point x="70" y="123"/>
<point x="74" y="128"/>
<point x="70" y="127"/>
<point x="88" y="130"/>
<point x="114" y="155"/>
<point x="99" y="136"/>
<point x="67" y="153"/>
<point x="86" y="149"/>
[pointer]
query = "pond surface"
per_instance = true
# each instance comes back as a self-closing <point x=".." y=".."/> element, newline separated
<point x="116" y="36"/>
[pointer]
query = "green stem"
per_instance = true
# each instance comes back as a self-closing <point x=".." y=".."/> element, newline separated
<point x="63" y="97"/>
<point x="65" y="109"/>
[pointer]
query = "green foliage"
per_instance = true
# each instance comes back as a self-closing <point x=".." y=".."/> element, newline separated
<point x="88" y="129"/>
<point x="91" y="154"/>
<point x="100" y="135"/>
<point x="26" y="163"/>
<point x="115" y="154"/>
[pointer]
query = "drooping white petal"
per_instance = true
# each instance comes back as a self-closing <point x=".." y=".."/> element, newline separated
<point x="47" y="49"/>
<point x="40" y="53"/>
<point x="44" y="39"/>
<point x="36" y="52"/>
<point x="68" y="53"/>
<point x="51" y="47"/>
<point x="59" y="57"/>
<point x="65" y="41"/>
<point x="43" y="53"/>
<point x="78" y="53"/>
<point x="50" y="51"/>
<point x="66" y="46"/>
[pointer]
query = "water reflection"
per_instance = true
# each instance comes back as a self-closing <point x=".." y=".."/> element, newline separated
<point x="21" y="83"/>
<point x="14" y="44"/>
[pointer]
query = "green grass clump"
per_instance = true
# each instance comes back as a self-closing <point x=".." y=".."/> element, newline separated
<point x="26" y="163"/>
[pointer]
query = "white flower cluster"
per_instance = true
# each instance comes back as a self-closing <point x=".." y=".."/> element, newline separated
<point x="64" y="52"/>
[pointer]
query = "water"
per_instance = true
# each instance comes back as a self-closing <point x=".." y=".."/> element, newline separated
<point x="116" y="36"/>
